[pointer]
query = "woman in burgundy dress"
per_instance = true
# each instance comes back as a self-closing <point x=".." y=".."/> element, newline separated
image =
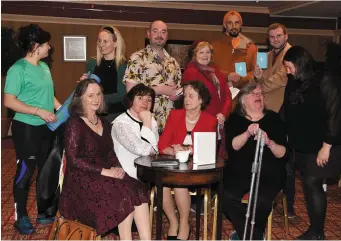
<point x="96" y="191"/>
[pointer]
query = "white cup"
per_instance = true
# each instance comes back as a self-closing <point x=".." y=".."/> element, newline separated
<point x="183" y="166"/>
<point x="182" y="156"/>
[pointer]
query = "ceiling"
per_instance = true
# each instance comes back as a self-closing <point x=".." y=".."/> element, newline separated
<point x="319" y="9"/>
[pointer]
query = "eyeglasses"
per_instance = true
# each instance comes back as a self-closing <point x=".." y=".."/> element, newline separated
<point x="276" y="36"/>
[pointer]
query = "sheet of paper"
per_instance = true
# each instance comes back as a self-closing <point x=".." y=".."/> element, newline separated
<point x="262" y="60"/>
<point x="234" y="92"/>
<point x="204" y="148"/>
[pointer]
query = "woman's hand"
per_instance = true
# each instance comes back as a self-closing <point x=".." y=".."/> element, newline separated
<point x="146" y="118"/>
<point x="253" y="129"/>
<point x="266" y="139"/>
<point x="46" y="115"/>
<point x="83" y="77"/>
<point x="114" y="172"/>
<point x="323" y="155"/>
<point x="179" y="147"/>
<point x="233" y="77"/>
<point x="257" y="72"/>
<point x="220" y="118"/>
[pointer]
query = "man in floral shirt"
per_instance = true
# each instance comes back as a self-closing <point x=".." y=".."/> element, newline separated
<point x="154" y="67"/>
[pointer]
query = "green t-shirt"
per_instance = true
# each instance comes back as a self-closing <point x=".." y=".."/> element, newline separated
<point x="31" y="85"/>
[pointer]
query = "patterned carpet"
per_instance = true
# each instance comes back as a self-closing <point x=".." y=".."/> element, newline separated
<point x="297" y="225"/>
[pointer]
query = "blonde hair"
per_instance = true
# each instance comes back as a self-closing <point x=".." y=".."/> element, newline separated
<point x="201" y="45"/>
<point x="120" y="50"/>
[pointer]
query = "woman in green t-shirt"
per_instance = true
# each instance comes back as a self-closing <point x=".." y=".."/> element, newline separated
<point x="29" y="92"/>
<point x="109" y="65"/>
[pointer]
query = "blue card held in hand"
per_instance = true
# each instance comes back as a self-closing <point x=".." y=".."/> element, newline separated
<point x="240" y="68"/>
<point x="262" y="60"/>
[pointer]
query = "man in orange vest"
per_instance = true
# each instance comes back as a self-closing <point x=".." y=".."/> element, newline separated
<point x="233" y="47"/>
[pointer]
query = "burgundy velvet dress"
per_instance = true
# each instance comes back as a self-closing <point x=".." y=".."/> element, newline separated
<point x="87" y="196"/>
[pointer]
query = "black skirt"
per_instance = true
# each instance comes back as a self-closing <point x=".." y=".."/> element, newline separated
<point x="306" y="163"/>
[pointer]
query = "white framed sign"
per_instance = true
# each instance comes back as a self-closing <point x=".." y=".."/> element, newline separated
<point x="74" y="48"/>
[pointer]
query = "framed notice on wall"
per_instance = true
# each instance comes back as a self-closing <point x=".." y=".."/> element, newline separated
<point x="74" y="48"/>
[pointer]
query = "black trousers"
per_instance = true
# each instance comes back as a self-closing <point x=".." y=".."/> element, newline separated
<point x="235" y="211"/>
<point x="289" y="188"/>
<point x="316" y="202"/>
<point x="32" y="145"/>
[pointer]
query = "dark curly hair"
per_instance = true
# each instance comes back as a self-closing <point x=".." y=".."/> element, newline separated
<point x="202" y="91"/>
<point x="30" y="35"/>
<point x="76" y="107"/>
<point x="138" y="90"/>
<point x="305" y="67"/>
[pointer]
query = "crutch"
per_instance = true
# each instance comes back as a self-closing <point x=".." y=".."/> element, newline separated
<point x="256" y="168"/>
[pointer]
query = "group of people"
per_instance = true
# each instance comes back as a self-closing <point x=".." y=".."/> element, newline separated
<point x="295" y="102"/>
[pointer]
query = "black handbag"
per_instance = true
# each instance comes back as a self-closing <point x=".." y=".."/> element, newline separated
<point x="48" y="180"/>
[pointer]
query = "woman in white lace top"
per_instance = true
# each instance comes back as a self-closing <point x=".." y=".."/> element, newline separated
<point x="135" y="132"/>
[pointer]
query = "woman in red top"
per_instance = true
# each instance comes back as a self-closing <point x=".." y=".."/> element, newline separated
<point x="178" y="136"/>
<point x="201" y="68"/>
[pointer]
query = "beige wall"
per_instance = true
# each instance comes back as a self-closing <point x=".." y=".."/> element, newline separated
<point x="66" y="74"/>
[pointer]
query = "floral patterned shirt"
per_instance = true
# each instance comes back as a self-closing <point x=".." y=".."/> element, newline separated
<point x="146" y="67"/>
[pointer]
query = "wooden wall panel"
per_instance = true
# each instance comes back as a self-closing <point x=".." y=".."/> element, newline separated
<point x="66" y="74"/>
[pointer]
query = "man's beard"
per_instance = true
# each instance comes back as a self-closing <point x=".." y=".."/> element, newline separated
<point x="159" y="43"/>
<point x="234" y="34"/>
<point x="280" y="47"/>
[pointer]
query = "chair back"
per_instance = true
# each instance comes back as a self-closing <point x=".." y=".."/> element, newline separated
<point x="65" y="229"/>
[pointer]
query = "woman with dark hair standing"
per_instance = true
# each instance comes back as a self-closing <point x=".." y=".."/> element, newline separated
<point x="109" y="65"/>
<point x="312" y="111"/>
<point x="96" y="190"/>
<point x="135" y="132"/>
<point x="29" y="92"/>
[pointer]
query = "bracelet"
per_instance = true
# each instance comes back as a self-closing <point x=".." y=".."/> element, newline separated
<point x="36" y="111"/>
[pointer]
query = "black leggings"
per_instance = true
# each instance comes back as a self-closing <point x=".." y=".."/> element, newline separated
<point x="32" y="145"/>
<point x="316" y="201"/>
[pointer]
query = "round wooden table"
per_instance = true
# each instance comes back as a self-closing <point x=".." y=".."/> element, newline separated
<point x="186" y="175"/>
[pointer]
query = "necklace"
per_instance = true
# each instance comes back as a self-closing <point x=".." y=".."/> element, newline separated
<point x="94" y="123"/>
<point x="108" y="63"/>
<point x="192" y="121"/>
